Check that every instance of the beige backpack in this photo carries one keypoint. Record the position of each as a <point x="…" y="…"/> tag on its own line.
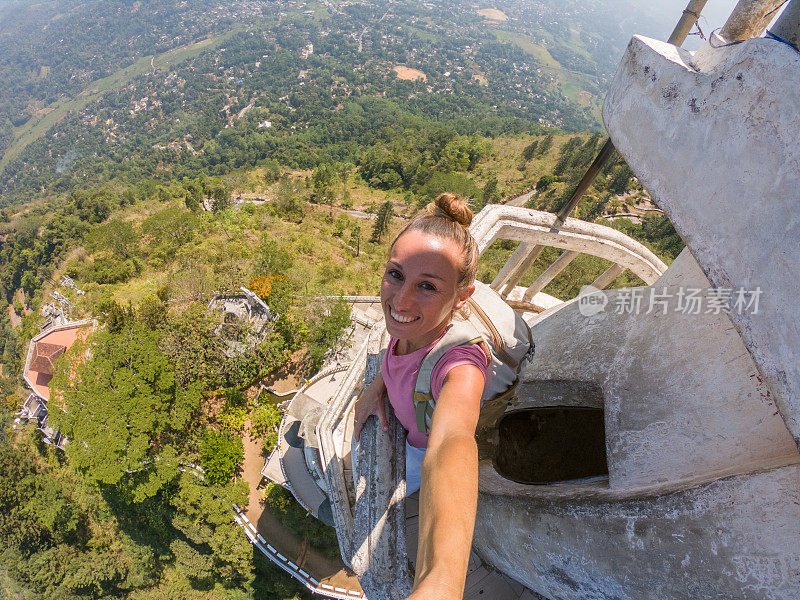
<point x="502" y="333"/>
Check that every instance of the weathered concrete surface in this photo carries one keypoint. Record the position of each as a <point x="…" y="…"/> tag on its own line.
<point x="715" y="143"/>
<point x="734" y="538"/>
<point x="683" y="403"/>
<point x="366" y="491"/>
<point x="703" y="488"/>
<point x="379" y="542"/>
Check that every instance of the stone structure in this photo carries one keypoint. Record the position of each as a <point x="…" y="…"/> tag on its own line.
<point x="44" y="350"/>
<point x="46" y="347"/>
<point x="295" y="461"/>
<point x="681" y="398"/>
<point x="244" y="318"/>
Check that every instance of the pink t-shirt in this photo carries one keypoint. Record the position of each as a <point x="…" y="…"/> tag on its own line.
<point x="400" y="375"/>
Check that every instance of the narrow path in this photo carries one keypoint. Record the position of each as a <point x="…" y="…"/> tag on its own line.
<point x="15" y="319"/>
<point x="520" y="200"/>
<point x="21" y="297"/>
<point x="327" y="570"/>
<point x="252" y="470"/>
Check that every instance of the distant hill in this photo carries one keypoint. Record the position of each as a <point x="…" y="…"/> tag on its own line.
<point x="99" y="90"/>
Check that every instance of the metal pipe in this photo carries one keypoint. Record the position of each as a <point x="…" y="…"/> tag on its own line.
<point x="689" y="17"/>
<point x="749" y="19"/>
<point x="787" y="27"/>
<point x="591" y="173"/>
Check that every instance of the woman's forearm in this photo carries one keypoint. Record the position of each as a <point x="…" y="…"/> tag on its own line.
<point x="370" y="403"/>
<point x="448" y="502"/>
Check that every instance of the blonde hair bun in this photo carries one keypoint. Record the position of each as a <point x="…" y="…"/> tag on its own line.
<point x="454" y="207"/>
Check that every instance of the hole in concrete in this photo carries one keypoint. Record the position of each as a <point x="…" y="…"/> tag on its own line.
<point x="552" y="444"/>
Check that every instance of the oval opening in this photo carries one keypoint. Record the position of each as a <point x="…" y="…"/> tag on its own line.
<point x="552" y="444"/>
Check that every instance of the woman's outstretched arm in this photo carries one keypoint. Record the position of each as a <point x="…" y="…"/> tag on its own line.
<point x="449" y="492"/>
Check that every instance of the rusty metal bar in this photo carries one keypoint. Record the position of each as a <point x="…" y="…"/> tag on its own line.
<point x="749" y="19"/>
<point x="591" y="173"/>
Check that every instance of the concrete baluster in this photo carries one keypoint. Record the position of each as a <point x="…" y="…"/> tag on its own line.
<point x="550" y="273"/>
<point x="608" y="276"/>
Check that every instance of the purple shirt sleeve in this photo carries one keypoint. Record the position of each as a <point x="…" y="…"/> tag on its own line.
<point x="455" y="357"/>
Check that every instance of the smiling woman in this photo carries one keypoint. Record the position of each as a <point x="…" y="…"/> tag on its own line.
<point x="430" y="275"/>
<point x="419" y="291"/>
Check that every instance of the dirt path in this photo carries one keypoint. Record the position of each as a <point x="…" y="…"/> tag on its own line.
<point x="21" y="297"/>
<point x="285" y="379"/>
<point x="15" y="319"/>
<point x="251" y="468"/>
<point x="322" y="568"/>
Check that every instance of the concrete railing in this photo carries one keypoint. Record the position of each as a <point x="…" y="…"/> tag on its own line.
<point x="536" y="229"/>
<point x="289" y="566"/>
<point x="282" y="430"/>
<point x="366" y="501"/>
<point x="330" y="455"/>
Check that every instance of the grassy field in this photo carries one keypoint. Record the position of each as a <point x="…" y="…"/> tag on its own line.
<point x="422" y="34"/>
<point x="222" y="254"/>
<point x="573" y="84"/>
<point x="506" y="156"/>
<point x="320" y="11"/>
<point x="572" y="88"/>
<point x="525" y="43"/>
<point x="37" y="128"/>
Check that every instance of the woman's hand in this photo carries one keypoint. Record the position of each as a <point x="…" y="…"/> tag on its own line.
<point x="371" y="402"/>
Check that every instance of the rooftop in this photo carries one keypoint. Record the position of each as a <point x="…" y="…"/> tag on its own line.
<point x="46" y="347"/>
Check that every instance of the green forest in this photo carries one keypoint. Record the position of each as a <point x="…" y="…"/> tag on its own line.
<point x="179" y="149"/>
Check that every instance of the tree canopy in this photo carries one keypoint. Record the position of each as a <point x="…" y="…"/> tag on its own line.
<point x="119" y="396"/>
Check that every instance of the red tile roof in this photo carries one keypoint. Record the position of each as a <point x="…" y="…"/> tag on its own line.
<point x="44" y="355"/>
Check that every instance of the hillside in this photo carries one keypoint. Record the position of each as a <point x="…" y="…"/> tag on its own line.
<point x="155" y="154"/>
<point x="165" y="90"/>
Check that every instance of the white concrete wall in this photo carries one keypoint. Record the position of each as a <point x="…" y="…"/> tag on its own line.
<point x="715" y="142"/>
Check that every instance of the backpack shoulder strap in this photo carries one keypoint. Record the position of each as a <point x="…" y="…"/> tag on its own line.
<point x="460" y="333"/>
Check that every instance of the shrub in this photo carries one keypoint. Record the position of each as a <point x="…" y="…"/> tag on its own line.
<point x="265" y="420"/>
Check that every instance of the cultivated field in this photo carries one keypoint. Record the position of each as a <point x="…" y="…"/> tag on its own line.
<point x="409" y="74"/>
<point x="493" y="14"/>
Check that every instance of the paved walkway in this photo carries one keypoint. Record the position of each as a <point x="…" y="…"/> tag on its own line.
<point x="327" y="571"/>
<point x="520" y="200"/>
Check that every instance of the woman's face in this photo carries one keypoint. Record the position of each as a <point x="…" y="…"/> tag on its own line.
<point x="418" y="291"/>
